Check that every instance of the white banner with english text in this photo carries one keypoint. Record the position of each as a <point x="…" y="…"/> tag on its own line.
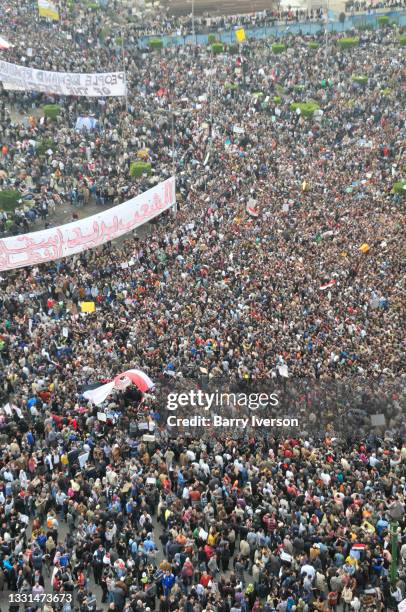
<point x="47" y="245"/>
<point x="98" y="85"/>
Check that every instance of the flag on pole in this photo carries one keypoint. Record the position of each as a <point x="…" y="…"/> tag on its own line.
<point x="240" y="35"/>
<point x="46" y="8"/>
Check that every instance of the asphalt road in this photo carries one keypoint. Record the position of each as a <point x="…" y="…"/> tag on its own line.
<point x="63" y="214"/>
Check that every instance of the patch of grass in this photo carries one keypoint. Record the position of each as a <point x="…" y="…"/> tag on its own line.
<point x="155" y="44"/>
<point x="278" y="48"/>
<point x="348" y="43"/>
<point x="306" y="108"/>
<point x="230" y="86"/>
<point x="360" y="79"/>
<point x="400" y="188"/>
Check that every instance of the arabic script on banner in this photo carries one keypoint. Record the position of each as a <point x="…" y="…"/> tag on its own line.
<point x="47" y="245"/>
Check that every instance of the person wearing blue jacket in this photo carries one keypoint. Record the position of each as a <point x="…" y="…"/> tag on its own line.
<point x="167" y="582"/>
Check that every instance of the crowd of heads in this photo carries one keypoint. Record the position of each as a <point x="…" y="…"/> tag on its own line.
<point x="259" y="280"/>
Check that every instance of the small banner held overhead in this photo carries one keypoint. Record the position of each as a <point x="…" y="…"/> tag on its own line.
<point x="46" y="8"/>
<point x="240" y="35"/>
<point x="87" y="306"/>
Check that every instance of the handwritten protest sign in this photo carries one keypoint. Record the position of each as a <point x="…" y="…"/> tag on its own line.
<point x="71" y="238"/>
<point x="98" y="85"/>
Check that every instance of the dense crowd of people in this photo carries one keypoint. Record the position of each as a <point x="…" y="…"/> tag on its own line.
<point x="260" y="272"/>
<point x="362" y="5"/>
<point x="33" y="150"/>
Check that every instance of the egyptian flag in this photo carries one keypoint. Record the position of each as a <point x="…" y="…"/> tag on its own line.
<point x="328" y="285"/>
<point x="120" y="383"/>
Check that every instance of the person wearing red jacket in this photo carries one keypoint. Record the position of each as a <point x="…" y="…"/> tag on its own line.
<point x="205" y="579"/>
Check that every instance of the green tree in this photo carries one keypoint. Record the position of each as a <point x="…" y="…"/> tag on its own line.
<point x="9" y="199"/>
<point x="45" y="144"/>
<point x="138" y="168"/>
<point x="217" y="48"/>
<point x="51" y="111"/>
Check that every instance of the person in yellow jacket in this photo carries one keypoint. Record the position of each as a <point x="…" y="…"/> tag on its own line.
<point x="212" y="538"/>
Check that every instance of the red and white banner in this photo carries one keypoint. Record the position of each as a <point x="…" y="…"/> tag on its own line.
<point x="138" y="378"/>
<point x="133" y="377"/>
<point x="72" y="238"/>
